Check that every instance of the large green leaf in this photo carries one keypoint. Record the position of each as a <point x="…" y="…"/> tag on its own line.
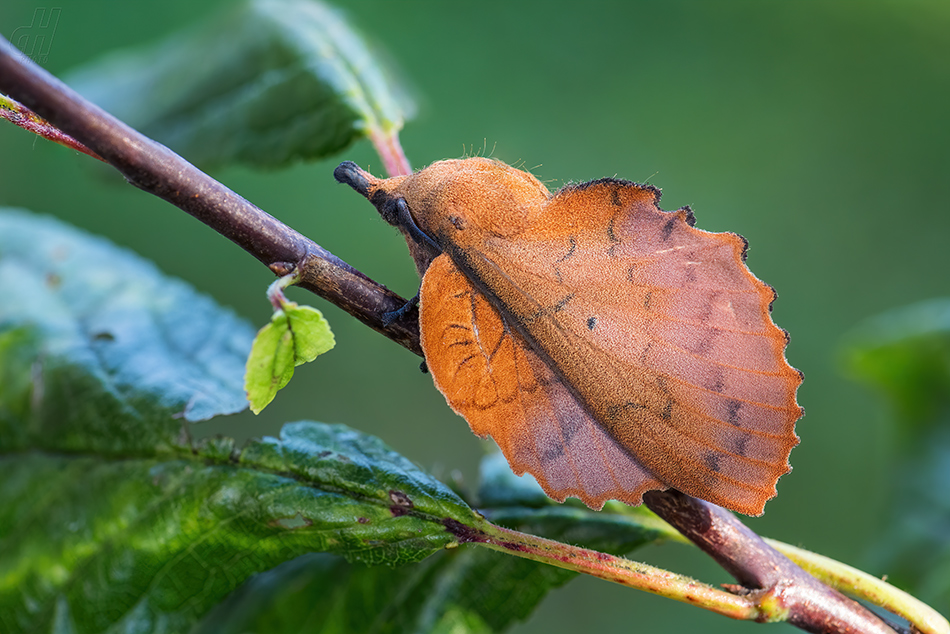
<point x="110" y="520"/>
<point x="148" y="544"/>
<point x="464" y="589"/>
<point x="267" y="83"/>
<point x="99" y="351"/>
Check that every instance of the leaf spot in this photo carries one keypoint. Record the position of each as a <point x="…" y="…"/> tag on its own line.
<point x="465" y="534"/>
<point x="297" y="521"/>
<point x="401" y="504"/>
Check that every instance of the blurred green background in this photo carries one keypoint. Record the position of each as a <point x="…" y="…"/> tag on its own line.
<point x="818" y="130"/>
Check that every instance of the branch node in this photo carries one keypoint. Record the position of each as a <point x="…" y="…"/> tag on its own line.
<point x="281" y="269"/>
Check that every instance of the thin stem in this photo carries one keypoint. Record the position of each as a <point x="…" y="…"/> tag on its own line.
<point x="863" y="586"/>
<point x="610" y="568"/>
<point x="154" y="168"/>
<point x="390" y="151"/>
<point x="275" y="292"/>
<point x="21" y="116"/>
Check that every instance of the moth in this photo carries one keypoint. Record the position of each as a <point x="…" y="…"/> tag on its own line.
<point x="608" y="347"/>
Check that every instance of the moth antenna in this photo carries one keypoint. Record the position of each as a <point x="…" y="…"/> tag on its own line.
<point x="406" y="221"/>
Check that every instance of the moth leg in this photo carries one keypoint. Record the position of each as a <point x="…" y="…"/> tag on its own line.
<point x="392" y="315"/>
<point x="404" y="220"/>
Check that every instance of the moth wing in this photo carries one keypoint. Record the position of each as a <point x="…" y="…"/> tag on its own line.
<point x="663" y="333"/>
<point x="491" y="377"/>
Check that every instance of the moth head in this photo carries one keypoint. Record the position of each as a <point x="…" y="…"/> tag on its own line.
<point x="465" y="201"/>
<point x="376" y="190"/>
<point x="456" y="201"/>
<point x="393" y="208"/>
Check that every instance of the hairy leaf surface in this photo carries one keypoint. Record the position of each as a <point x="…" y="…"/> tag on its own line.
<point x="100" y="351"/>
<point x="146" y="543"/>
<point x="463" y="589"/>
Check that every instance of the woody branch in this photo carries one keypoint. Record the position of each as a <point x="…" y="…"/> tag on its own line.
<point x="157" y="170"/>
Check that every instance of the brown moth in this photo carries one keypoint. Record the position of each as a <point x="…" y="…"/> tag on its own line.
<point x="607" y="346"/>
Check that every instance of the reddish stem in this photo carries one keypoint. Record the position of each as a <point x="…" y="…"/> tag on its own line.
<point x="390" y="151"/>
<point x="607" y="567"/>
<point x="19" y="115"/>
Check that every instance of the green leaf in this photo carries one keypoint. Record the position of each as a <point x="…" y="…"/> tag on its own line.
<point x="312" y="335"/>
<point x="99" y="350"/>
<point x="278" y="81"/>
<point x="149" y="544"/>
<point x="466" y="589"/>
<point x="295" y="335"/>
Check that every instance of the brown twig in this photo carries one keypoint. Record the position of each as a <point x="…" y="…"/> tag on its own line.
<point x="155" y="169"/>
<point x="759" y="568"/>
